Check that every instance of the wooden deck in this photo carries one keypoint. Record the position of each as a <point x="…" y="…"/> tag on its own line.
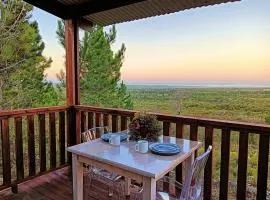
<point x="56" y="185"/>
<point x="52" y="186"/>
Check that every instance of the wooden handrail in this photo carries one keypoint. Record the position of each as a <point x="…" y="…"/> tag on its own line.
<point x="30" y="111"/>
<point x="215" y="123"/>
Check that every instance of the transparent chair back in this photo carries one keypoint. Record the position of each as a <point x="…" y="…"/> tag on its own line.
<point x="193" y="184"/>
<point x="94" y="133"/>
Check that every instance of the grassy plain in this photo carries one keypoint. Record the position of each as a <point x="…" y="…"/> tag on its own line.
<point x="220" y="103"/>
<point x="251" y="105"/>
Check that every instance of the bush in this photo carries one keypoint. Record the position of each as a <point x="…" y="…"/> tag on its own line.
<point x="267" y="119"/>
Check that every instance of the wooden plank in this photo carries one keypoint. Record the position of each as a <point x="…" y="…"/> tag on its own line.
<point x="166" y="128"/>
<point x="42" y="142"/>
<point x="71" y="130"/>
<point x="62" y="137"/>
<point x="242" y="165"/>
<point x="194" y="132"/>
<point x="19" y="148"/>
<point x="263" y="167"/>
<point x="114" y="123"/>
<point x="31" y="145"/>
<point x="224" y="164"/>
<point x="90" y="120"/>
<point x="78" y="126"/>
<point x="123" y="123"/>
<point x="98" y="119"/>
<point x="98" y="124"/>
<point x="166" y="132"/>
<point x="106" y="121"/>
<point x="83" y="121"/>
<point x="209" y="165"/>
<point x="72" y="62"/>
<point x="52" y="140"/>
<point x="31" y="111"/>
<point x="215" y="123"/>
<point x="5" y="152"/>
<point x="179" y="168"/>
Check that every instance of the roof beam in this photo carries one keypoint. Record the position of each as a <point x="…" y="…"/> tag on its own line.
<point x="52" y="6"/>
<point x="96" y="6"/>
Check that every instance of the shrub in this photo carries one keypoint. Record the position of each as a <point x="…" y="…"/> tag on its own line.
<point x="267" y="119"/>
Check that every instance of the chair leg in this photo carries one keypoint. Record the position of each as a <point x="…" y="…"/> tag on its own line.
<point x="110" y="191"/>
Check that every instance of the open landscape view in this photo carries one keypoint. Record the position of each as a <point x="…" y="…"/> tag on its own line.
<point x="199" y="69"/>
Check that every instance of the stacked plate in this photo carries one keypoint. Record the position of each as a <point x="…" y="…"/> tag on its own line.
<point x="106" y="137"/>
<point x="165" y="149"/>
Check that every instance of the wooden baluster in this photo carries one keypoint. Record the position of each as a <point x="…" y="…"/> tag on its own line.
<point x="242" y="165"/>
<point x="5" y="152"/>
<point x="62" y="137"/>
<point x="179" y="134"/>
<point x="166" y="128"/>
<point x="224" y="164"/>
<point x="114" y="123"/>
<point x="98" y="124"/>
<point x="52" y="140"/>
<point x="166" y="132"/>
<point x="209" y="165"/>
<point x="78" y="127"/>
<point x="19" y="148"/>
<point x="194" y="132"/>
<point x="31" y="145"/>
<point x="83" y="121"/>
<point x="90" y="120"/>
<point x="106" y="120"/>
<point x="42" y="142"/>
<point x="123" y="123"/>
<point x="263" y="166"/>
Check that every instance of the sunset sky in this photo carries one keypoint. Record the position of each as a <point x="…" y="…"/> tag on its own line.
<point x="228" y="43"/>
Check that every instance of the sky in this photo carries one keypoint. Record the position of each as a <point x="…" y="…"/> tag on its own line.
<point x="221" y="44"/>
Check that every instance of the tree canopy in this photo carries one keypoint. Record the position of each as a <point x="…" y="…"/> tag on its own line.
<point x="100" y="66"/>
<point x="22" y="65"/>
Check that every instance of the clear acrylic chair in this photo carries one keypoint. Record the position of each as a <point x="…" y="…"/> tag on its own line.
<point x="93" y="173"/>
<point x="190" y="190"/>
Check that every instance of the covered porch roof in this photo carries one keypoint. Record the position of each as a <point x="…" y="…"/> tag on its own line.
<point x="102" y="12"/>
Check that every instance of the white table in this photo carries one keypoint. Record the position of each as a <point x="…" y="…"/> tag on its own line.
<point x="125" y="161"/>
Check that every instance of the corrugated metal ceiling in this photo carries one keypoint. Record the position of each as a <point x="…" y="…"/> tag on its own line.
<point x="142" y="9"/>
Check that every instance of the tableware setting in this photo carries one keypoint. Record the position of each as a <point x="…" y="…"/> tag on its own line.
<point x="142" y="146"/>
<point x="115" y="140"/>
<point x="106" y="137"/>
<point x="165" y="149"/>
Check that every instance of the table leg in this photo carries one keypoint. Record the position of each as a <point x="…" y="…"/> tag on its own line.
<point x="77" y="172"/>
<point x="149" y="189"/>
<point x="127" y="186"/>
<point x="187" y="166"/>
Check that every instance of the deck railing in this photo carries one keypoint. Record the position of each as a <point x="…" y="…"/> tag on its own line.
<point x="33" y="142"/>
<point x="178" y="125"/>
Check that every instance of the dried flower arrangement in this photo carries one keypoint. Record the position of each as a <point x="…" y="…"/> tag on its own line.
<point x="144" y="126"/>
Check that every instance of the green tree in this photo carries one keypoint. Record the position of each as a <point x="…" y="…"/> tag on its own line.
<point x="22" y="65"/>
<point x="100" y="66"/>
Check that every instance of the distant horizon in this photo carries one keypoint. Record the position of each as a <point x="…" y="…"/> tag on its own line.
<point x="199" y="84"/>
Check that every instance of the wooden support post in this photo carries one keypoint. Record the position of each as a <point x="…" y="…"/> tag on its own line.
<point x="72" y="76"/>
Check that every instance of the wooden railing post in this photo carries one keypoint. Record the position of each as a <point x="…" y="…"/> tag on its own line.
<point x="209" y="165"/>
<point x="5" y="151"/>
<point x="72" y="78"/>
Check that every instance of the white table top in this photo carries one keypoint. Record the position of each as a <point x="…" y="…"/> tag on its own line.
<point x="125" y="156"/>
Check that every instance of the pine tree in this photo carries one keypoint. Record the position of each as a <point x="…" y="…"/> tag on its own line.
<point x="100" y="68"/>
<point x="22" y="65"/>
